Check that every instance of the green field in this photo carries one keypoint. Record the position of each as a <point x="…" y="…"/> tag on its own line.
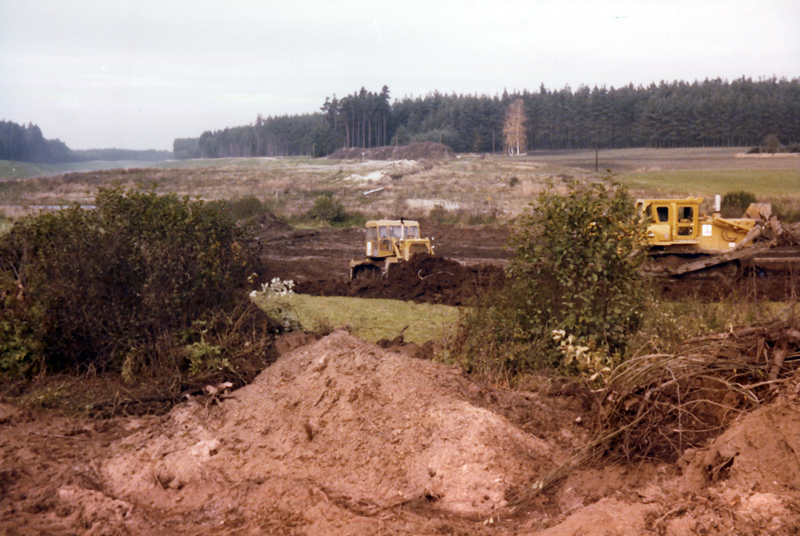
<point x="369" y="319"/>
<point x="768" y="184"/>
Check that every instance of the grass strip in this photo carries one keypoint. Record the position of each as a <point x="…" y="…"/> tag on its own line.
<point x="370" y="319"/>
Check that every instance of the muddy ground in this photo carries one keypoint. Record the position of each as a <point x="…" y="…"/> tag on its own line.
<point x="342" y="437"/>
<point x="469" y="258"/>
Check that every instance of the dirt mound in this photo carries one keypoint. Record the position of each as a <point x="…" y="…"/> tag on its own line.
<point x="753" y="452"/>
<point x="745" y="482"/>
<point x="426" y="150"/>
<point x="424" y="279"/>
<point x="342" y="438"/>
<point x="363" y="428"/>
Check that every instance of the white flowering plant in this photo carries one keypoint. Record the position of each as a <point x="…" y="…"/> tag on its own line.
<point x="588" y="359"/>
<point x="276" y="288"/>
<point x="272" y="298"/>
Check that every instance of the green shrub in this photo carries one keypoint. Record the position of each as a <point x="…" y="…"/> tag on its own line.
<point x="771" y="144"/>
<point x="574" y="294"/>
<point x="5" y="223"/>
<point x="734" y="204"/>
<point x="327" y="209"/>
<point x="102" y="289"/>
<point x="439" y="214"/>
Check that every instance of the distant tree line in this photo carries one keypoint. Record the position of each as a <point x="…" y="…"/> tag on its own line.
<point x="27" y="144"/>
<point x="186" y="148"/>
<point x="713" y="113"/>
<point x="274" y="136"/>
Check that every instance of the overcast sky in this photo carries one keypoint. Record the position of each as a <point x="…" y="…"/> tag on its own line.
<point x="136" y="74"/>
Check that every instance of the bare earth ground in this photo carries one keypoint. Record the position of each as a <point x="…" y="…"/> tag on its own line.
<point x="341" y="437"/>
<point x="467" y="257"/>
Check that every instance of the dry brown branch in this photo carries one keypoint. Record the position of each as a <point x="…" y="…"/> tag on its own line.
<point x="656" y="406"/>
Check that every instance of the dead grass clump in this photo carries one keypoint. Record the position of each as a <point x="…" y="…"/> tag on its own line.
<point x="656" y="406"/>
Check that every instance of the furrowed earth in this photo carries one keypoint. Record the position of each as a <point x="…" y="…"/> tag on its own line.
<point x="340" y="437"/>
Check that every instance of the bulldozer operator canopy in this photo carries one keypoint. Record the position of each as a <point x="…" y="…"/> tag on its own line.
<point x="399" y="229"/>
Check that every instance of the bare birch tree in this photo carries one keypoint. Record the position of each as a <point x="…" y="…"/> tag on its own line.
<point x="514" y="128"/>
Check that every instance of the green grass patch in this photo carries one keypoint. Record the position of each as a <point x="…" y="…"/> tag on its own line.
<point x="370" y="319"/>
<point x="763" y="183"/>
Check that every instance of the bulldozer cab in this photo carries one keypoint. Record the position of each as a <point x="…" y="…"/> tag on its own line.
<point x="394" y="238"/>
<point x="677" y="224"/>
<point x="671" y="220"/>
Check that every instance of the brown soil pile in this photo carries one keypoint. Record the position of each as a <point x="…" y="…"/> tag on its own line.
<point x="748" y="478"/>
<point x="339" y="424"/>
<point x="426" y="150"/>
<point x="760" y="452"/>
<point x="424" y="279"/>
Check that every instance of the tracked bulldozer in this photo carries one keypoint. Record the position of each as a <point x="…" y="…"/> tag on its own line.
<point x="388" y="242"/>
<point x="684" y="243"/>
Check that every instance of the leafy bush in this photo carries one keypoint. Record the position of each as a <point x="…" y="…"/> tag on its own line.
<point x="327" y="209"/>
<point x="439" y="214"/>
<point x="771" y="144"/>
<point x="103" y="289"/>
<point x="272" y="300"/>
<point x="734" y="204"/>
<point x="574" y="294"/>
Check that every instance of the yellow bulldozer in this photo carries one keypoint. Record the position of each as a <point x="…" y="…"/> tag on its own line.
<point x="389" y="242"/>
<point x="684" y="242"/>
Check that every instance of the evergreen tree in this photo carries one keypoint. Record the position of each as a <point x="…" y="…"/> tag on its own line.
<point x="713" y="113"/>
